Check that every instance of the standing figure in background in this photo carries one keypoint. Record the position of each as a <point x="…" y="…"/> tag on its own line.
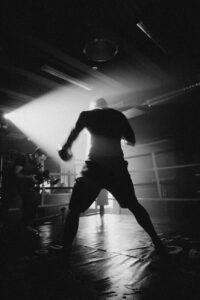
<point x="104" y="168"/>
<point x="28" y="169"/>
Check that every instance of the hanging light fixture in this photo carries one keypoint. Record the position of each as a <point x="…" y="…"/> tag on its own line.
<point x="100" y="49"/>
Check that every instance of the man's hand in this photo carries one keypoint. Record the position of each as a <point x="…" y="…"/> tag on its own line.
<point x="65" y="154"/>
<point x="32" y="177"/>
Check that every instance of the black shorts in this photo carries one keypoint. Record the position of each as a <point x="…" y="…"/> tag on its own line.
<point x="112" y="176"/>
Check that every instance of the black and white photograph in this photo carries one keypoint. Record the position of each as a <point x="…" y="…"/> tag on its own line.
<point x="99" y="150"/>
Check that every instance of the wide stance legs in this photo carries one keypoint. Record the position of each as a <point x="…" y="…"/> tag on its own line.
<point x="141" y="215"/>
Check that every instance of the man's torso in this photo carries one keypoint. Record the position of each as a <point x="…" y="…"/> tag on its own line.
<point x="105" y="133"/>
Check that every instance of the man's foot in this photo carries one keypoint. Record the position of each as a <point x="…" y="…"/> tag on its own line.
<point x="161" y="250"/>
<point x="31" y="230"/>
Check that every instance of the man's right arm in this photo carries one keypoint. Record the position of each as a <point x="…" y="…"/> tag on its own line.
<point x="65" y="152"/>
<point x="20" y="175"/>
<point x="18" y="170"/>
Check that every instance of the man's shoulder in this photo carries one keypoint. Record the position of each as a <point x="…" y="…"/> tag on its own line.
<point x="108" y="110"/>
<point x="84" y="113"/>
<point x="21" y="159"/>
<point x="99" y="112"/>
<point x="115" y="112"/>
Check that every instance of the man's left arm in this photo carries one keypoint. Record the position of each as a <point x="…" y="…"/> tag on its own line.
<point x="128" y="133"/>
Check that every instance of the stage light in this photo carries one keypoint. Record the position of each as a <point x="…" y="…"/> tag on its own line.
<point x="6" y="116"/>
<point x="3" y="123"/>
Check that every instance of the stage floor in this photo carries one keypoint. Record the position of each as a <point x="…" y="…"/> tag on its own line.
<point x="113" y="258"/>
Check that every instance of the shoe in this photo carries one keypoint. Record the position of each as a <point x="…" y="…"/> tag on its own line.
<point x="161" y="250"/>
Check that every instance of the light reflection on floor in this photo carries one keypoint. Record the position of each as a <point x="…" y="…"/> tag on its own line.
<point x="112" y="257"/>
<point x="45" y="234"/>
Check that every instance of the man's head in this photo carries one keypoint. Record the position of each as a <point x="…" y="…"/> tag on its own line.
<point x="98" y="103"/>
<point x="39" y="155"/>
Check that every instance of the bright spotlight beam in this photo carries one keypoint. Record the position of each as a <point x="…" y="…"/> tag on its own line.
<point x="48" y="120"/>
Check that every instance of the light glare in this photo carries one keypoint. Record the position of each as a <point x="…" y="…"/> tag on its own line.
<point x="7" y="116"/>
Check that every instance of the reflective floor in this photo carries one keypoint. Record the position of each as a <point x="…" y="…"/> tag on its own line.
<point x="113" y="258"/>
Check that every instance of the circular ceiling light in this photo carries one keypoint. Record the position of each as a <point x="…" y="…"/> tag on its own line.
<point x="100" y="50"/>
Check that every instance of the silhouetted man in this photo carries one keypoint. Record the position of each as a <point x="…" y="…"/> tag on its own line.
<point x="104" y="167"/>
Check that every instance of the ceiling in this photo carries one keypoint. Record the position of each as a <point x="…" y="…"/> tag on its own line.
<point x="157" y="54"/>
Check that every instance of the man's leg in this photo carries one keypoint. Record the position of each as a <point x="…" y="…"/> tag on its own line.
<point x="30" y="203"/>
<point x="6" y="198"/>
<point x="84" y="193"/>
<point x="70" y="231"/>
<point x="123" y="190"/>
<point x="144" y="221"/>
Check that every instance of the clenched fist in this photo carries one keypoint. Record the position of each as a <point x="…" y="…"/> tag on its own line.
<point x="65" y="154"/>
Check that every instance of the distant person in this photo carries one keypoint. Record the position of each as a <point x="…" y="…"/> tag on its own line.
<point x="28" y="171"/>
<point x="104" y="168"/>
